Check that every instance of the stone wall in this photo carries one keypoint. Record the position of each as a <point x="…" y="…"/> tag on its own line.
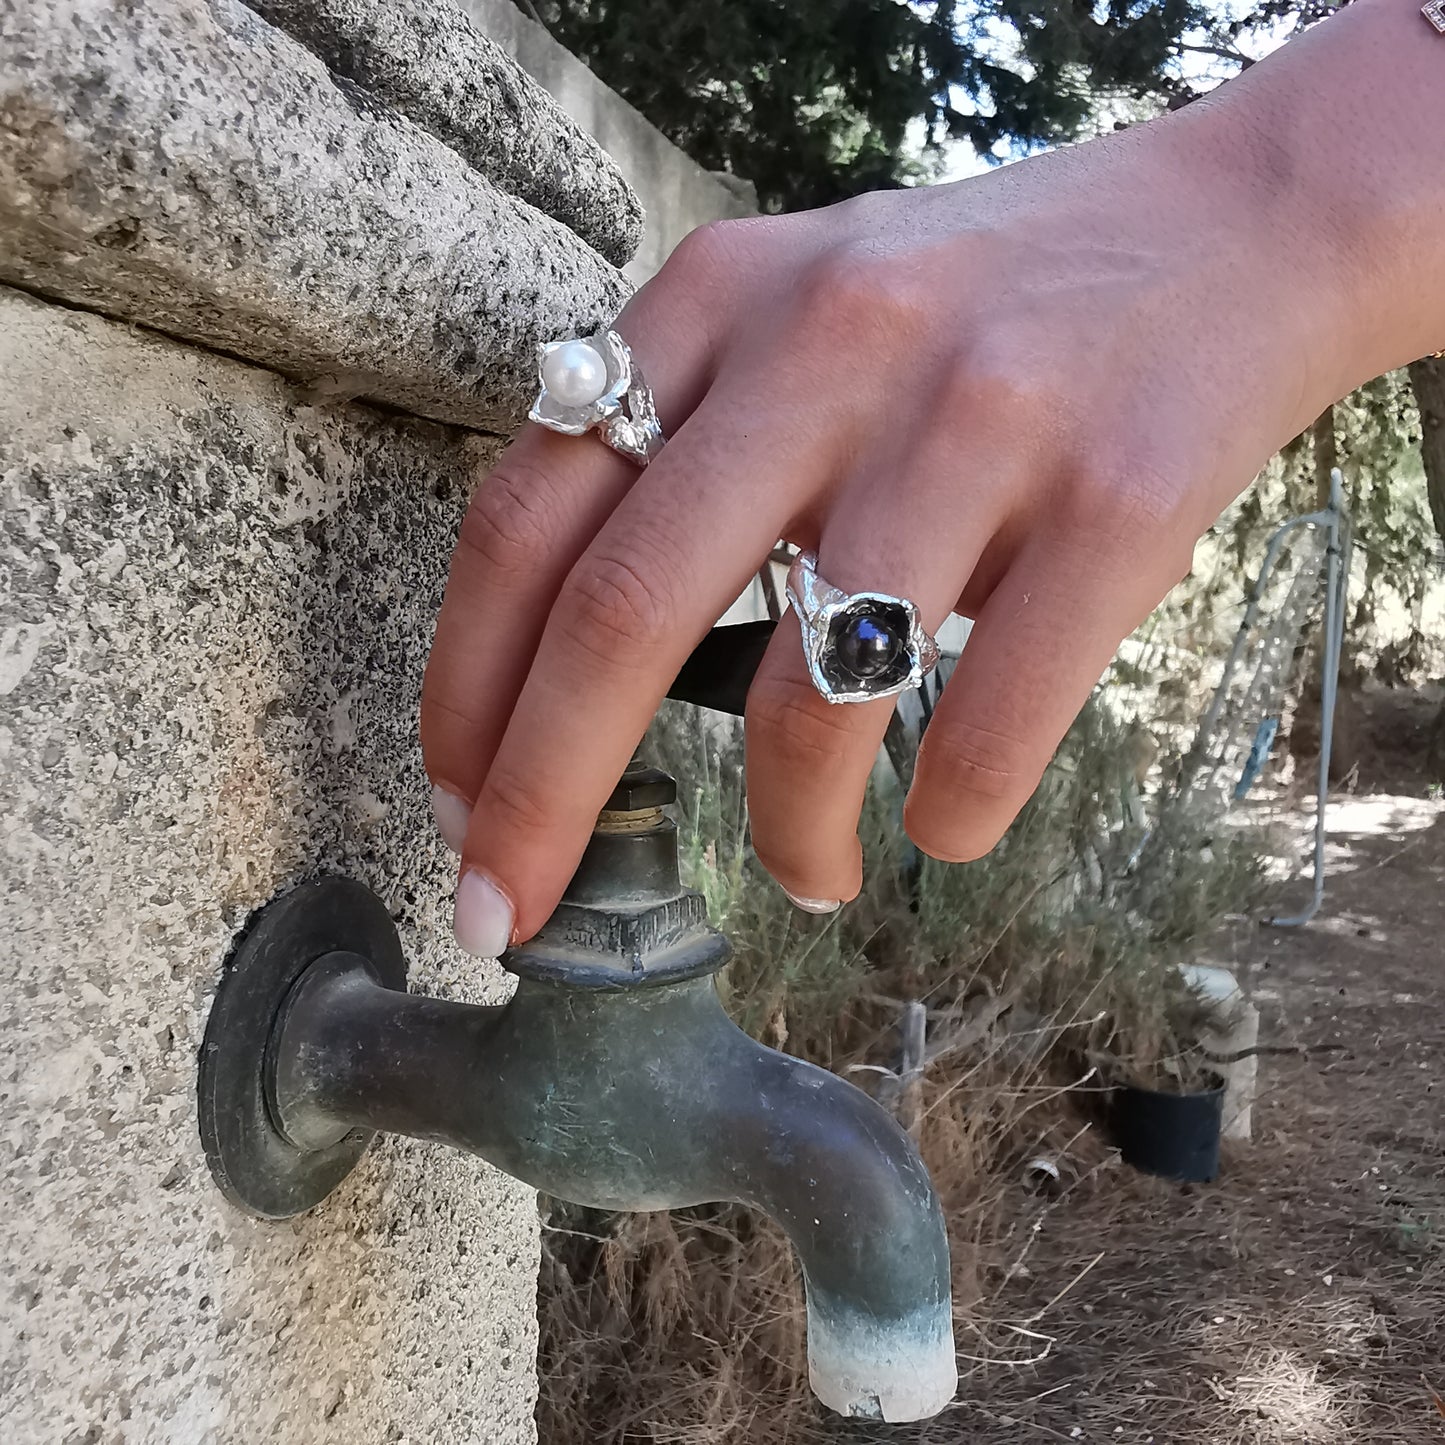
<point x="222" y="241"/>
<point x="217" y="603"/>
<point x="677" y="194"/>
<point x="197" y="170"/>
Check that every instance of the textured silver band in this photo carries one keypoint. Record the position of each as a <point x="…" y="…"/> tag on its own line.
<point x="1434" y="12"/>
<point x="623" y="413"/>
<point x="824" y="609"/>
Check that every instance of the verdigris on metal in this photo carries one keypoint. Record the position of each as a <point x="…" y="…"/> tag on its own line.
<point x="617" y="1087"/>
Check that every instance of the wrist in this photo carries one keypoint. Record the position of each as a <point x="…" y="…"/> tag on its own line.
<point x="1337" y="137"/>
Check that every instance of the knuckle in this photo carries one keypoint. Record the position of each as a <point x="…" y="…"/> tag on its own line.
<point x="992" y="383"/>
<point x="1123" y="480"/>
<point x="508" y="525"/>
<point x="1125" y="501"/>
<point x="799" y="727"/>
<point x="971" y="759"/>
<point x="852" y="288"/>
<point x="710" y="251"/>
<point x="513" y="805"/>
<point x="613" y="611"/>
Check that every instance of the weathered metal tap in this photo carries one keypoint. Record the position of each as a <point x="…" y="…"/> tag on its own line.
<point x="613" y="1078"/>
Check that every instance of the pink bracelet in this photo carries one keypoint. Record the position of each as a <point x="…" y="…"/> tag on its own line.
<point x="1434" y="12"/>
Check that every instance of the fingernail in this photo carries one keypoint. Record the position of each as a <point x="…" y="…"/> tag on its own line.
<point x="813" y="905"/>
<point x="454" y="816"/>
<point x="483" y="917"/>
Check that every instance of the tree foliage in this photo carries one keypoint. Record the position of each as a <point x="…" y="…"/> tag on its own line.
<point x="815" y="100"/>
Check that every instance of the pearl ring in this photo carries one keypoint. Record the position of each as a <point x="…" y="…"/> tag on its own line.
<point x="858" y="645"/>
<point x="591" y="383"/>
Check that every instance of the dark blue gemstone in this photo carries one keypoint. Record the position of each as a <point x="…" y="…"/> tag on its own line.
<point x="867" y="647"/>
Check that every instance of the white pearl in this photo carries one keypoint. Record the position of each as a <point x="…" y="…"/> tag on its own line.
<point x="574" y="373"/>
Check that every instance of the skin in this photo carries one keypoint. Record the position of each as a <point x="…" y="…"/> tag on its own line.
<point x="1023" y="398"/>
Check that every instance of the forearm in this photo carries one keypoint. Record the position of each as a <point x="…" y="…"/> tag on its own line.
<point x="1343" y="132"/>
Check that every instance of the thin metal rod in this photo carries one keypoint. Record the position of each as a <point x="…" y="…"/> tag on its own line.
<point x="770" y="591"/>
<point x="1336" y="581"/>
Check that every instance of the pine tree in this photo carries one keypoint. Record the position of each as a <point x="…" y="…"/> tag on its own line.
<point x="815" y="100"/>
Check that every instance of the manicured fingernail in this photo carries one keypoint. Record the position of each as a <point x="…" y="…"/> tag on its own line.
<point x="483" y="917"/>
<point x="453" y="814"/>
<point x="813" y="905"/>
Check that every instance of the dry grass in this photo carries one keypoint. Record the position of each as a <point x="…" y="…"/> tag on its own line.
<point x="1045" y="972"/>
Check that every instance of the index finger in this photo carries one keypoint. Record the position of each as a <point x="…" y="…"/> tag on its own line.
<point x="673" y="557"/>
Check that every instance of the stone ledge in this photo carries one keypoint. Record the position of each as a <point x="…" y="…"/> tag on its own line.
<point x="196" y="170"/>
<point x="430" y="63"/>
<point x="677" y="193"/>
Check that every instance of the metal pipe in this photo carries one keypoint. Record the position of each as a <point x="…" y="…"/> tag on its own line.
<point x="646" y="1099"/>
<point x="1336" y="580"/>
<point x="614" y="1078"/>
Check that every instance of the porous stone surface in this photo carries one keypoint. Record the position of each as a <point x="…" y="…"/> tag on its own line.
<point x="215" y="604"/>
<point x="677" y="194"/>
<point x="430" y="62"/>
<point x="192" y="168"/>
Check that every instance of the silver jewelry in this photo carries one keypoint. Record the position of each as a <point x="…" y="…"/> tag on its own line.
<point x="859" y="645"/>
<point x="591" y="383"/>
<point x="1434" y="12"/>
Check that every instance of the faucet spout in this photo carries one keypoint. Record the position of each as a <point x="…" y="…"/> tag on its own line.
<point x="648" y="1100"/>
<point x="613" y="1078"/>
<point x="845" y="1183"/>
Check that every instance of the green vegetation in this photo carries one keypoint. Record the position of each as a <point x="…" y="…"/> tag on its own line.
<point x="1047" y="969"/>
<point x="1047" y="974"/>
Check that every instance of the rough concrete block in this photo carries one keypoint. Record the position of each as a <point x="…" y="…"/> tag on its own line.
<point x="194" y="169"/>
<point x="432" y="64"/>
<point x="215" y="606"/>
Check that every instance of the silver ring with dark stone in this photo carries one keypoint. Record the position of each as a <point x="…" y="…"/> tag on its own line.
<point x="858" y="645"/>
<point x="591" y="383"/>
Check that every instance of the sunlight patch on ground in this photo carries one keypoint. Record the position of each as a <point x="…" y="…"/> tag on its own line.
<point x="1381" y="814"/>
<point x="1289" y="1399"/>
<point x="1348" y="821"/>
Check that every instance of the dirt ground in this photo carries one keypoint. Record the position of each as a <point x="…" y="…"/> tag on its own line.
<point x="1298" y="1298"/>
<point x="1301" y="1297"/>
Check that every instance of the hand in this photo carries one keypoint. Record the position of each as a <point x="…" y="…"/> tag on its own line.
<point x="1023" y="397"/>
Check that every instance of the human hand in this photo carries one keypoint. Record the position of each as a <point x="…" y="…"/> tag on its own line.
<point x="1023" y="397"/>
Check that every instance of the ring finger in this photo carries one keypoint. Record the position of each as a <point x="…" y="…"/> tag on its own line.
<point x="809" y="760"/>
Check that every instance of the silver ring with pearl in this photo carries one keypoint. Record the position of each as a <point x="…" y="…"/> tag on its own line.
<point x="859" y="645"/>
<point x="591" y="383"/>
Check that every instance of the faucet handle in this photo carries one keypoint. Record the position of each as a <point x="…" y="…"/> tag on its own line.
<point x="721" y="668"/>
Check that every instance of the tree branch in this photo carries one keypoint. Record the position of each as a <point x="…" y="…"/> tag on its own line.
<point x="1220" y="52"/>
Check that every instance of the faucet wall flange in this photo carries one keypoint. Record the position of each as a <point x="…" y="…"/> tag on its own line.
<point x="253" y="1161"/>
